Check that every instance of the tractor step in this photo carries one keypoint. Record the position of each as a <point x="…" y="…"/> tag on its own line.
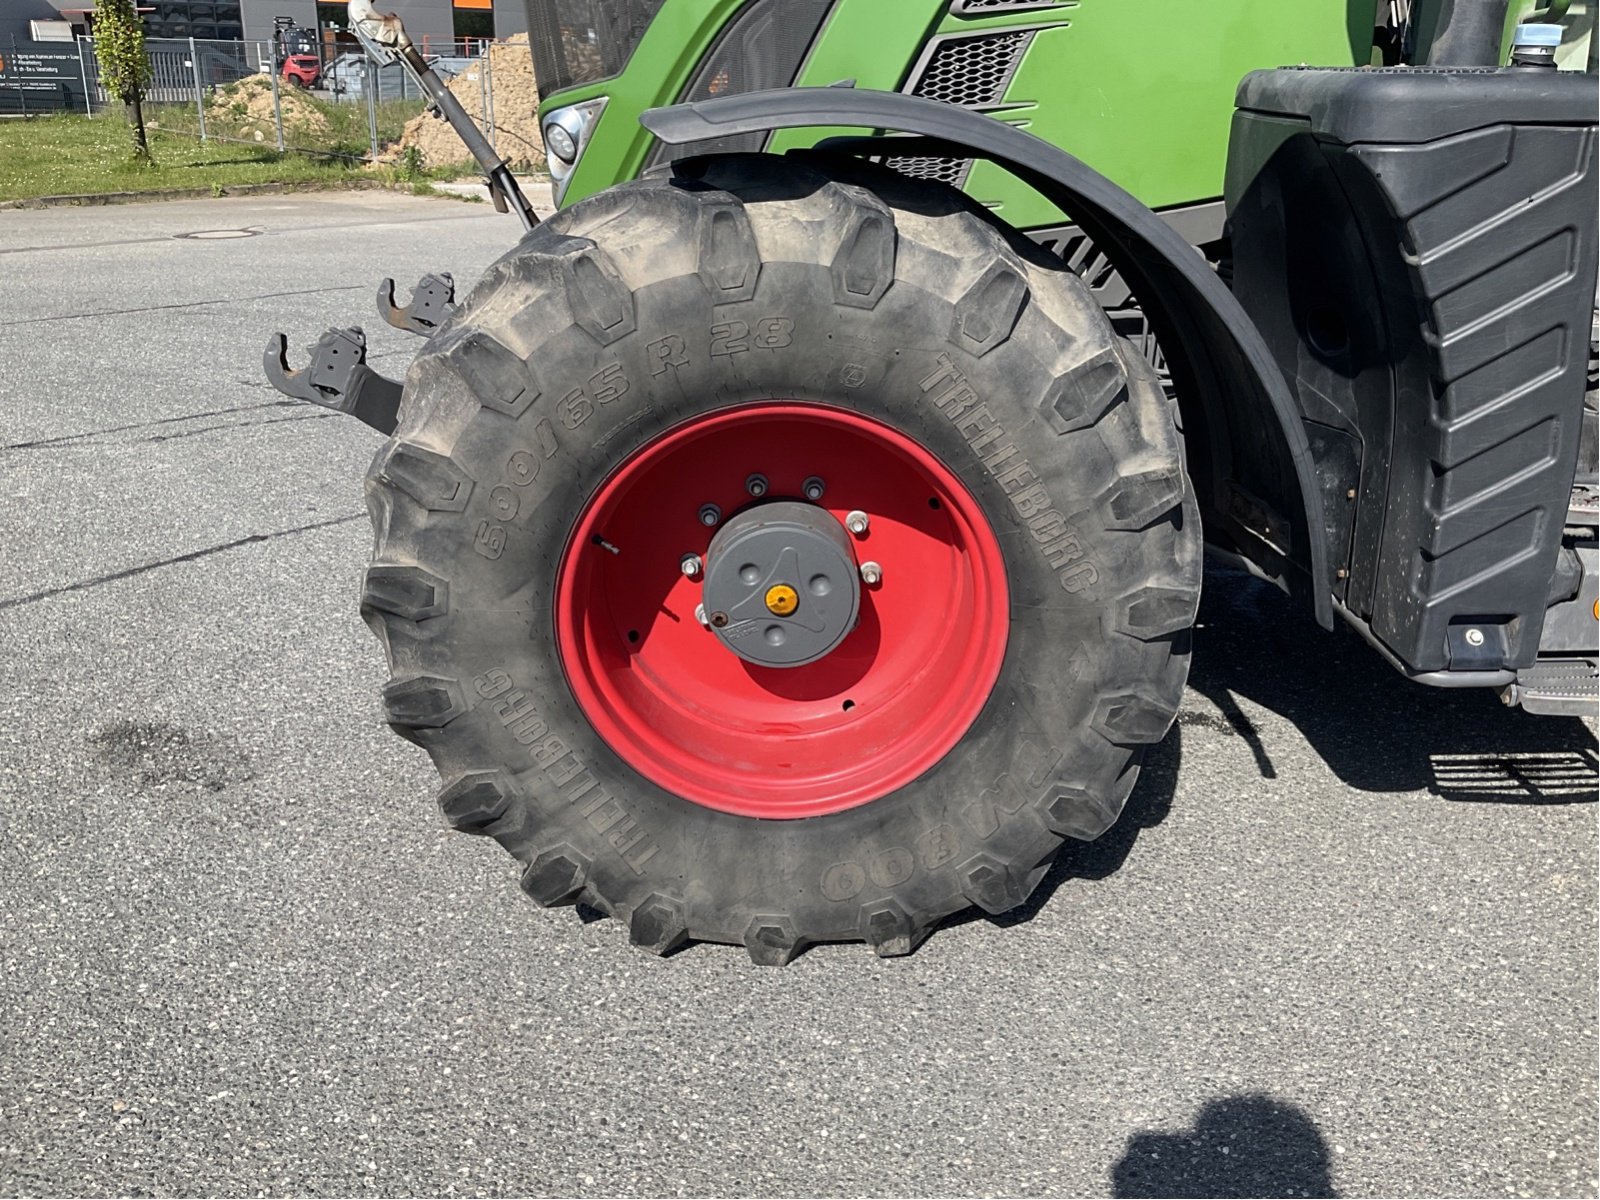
<point x="1556" y="687"/>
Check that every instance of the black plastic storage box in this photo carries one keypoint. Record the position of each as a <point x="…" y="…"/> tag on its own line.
<point x="1418" y="247"/>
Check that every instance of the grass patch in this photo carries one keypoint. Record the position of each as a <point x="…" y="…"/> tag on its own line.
<point x="69" y="155"/>
<point x="349" y="121"/>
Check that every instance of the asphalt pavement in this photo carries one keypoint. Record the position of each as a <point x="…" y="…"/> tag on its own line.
<point x="1343" y="942"/>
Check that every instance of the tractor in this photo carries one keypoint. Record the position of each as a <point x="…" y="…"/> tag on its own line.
<point x="797" y="538"/>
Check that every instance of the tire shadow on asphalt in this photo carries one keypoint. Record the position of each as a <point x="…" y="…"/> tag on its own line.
<point x="1246" y="1145"/>
<point x="1376" y="730"/>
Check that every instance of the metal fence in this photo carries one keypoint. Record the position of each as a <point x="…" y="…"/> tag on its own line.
<point x="228" y="91"/>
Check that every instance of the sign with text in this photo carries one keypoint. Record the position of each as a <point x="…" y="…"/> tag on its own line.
<point x="39" y="77"/>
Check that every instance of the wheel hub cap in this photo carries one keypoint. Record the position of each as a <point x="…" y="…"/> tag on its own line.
<point x="781" y="584"/>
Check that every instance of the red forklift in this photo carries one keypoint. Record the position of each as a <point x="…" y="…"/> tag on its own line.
<point x="294" y="52"/>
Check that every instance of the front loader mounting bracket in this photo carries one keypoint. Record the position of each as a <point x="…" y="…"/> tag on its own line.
<point x="337" y="377"/>
<point x="432" y="302"/>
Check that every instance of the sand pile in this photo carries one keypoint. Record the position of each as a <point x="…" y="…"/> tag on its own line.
<point x="243" y="109"/>
<point x="513" y="101"/>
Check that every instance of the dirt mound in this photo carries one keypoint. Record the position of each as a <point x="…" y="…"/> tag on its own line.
<point x="243" y="109"/>
<point x="513" y="104"/>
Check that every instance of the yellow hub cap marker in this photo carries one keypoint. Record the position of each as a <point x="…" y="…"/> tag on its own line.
<point x="782" y="599"/>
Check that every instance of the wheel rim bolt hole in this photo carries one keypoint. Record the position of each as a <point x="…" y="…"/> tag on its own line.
<point x="758" y="485"/>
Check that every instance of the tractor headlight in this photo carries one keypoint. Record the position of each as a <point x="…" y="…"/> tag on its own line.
<point x="566" y="132"/>
<point x="558" y="140"/>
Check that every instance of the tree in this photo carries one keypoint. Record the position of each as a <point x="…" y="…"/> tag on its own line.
<point x="124" y="65"/>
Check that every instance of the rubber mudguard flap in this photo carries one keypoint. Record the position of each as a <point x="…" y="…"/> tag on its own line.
<point x="1418" y="247"/>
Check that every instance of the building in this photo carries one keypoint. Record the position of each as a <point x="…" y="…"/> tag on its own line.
<point x="44" y="68"/>
<point x="40" y="66"/>
<point x="216" y="19"/>
<point x="429" y="21"/>
<point x="26" y="20"/>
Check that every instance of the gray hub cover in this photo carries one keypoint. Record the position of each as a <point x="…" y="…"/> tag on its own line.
<point x="777" y="545"/>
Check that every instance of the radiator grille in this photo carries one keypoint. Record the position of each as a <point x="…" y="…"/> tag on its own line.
<point x="971" y="70"/>
<point x="943" y="170"/>
<point x="974" y="70"/>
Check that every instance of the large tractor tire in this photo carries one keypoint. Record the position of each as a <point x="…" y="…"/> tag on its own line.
<point x="633" y="612"/>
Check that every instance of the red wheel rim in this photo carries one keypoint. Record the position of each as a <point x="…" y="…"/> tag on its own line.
<point x="694" y="718"/>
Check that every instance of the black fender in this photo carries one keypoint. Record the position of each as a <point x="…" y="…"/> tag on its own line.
<point x="1258" y="490"/>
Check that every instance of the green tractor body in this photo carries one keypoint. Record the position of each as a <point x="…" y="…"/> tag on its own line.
<point x="1142" y="93"/>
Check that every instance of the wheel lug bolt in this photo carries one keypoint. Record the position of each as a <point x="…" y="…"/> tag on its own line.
<point x="700" y="615"/>
<point x="813" y="488"/>
<point x="871" y="574"/>
<point x="756" y="485"/>
<point x="856" y="522"/>
<point x="690" y="565"/>
<point x="710" y="515"/>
